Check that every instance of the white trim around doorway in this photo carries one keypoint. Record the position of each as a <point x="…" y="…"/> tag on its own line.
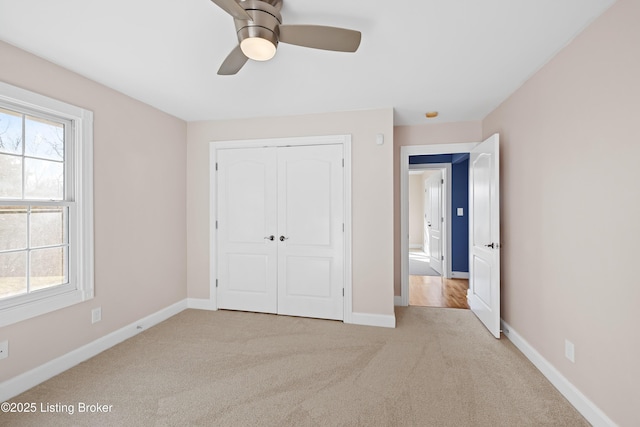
<point x="445" y="168"/>
<point x="405" y="152"/>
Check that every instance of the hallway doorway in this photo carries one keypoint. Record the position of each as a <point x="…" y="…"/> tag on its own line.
<point x="435" y="290"/>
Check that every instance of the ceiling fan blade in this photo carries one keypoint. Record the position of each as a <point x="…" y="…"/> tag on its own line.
<point x="321" y="37"/>
<point x="234" y="61"/>
<point x="234" y="9"/>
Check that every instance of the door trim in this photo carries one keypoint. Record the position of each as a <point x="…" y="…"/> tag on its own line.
<point x="445" y="168"/>
<point x="405" y="152"/>
<point x="345" y="141"/>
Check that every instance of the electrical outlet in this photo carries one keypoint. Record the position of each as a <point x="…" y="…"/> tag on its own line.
<point x="4" y="349"/>
<point x="96" y="315"/>
<point x="569" y="351"/>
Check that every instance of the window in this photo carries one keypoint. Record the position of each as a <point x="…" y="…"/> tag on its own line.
<point x="46" y="215"/>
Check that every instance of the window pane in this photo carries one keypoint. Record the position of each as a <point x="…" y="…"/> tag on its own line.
<point x="13" y="274"/>
<point x="13" y="227"/>
<point x="10" y="177"/>
<point x="43" y="179"/>
<point x="44" y="139"/>
<point x="10" y="132"/>
<point x="48" y="268"/>
<point x="48" y="225"/>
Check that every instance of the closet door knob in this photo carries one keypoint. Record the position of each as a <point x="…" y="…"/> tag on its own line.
<point x="270" y="237"/>
<point x="282" y="238"/>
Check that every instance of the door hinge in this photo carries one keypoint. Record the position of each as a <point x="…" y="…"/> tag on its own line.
<point x="216" y="224"/>
<point x="442" y="181"/>
<point x="442" y="219"/>
<point x="216" y="165"/>
<point x="342" y="291"/>
<point x="442" y="257"/>
<point x="342" y="162"/>
<point x="216" y="283"/>
<point x="343" y="227"/>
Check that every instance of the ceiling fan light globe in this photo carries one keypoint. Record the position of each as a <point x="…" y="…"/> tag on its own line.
<point x="257" y="48"/>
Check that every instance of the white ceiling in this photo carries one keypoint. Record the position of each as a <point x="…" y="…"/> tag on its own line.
<point x="460" y="57"/>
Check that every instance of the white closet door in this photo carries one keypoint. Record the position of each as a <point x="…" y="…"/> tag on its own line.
<point x="247" y="218"/>
<point x="310" y="231"/>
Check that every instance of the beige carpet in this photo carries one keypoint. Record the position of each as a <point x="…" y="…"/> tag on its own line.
<point x="439" y="367"/>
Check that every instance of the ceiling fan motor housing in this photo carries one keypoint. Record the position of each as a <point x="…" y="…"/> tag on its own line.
<point x="259" y="30"/>
<point x="266" y="19"/>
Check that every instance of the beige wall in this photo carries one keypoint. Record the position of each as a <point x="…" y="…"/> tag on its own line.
<point x="427" y="134"/>
<point x="372" y="204"/>
<point x="571" y="210"/>
<point x="140" y="219"/>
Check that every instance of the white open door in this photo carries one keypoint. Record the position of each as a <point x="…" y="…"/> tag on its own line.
<point x="435" y="218"/>
<point x="484" y="233"/>
<point x="247" y="228"/>
<point x="425" y="218"/>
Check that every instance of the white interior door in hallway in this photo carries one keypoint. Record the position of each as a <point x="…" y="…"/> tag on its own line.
<point x="434" y="218"/>
<point x="280" y="213"/>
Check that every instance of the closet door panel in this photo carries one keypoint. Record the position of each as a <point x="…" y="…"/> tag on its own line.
<point x="247" y="217"/>
<point x="310" y="231"/>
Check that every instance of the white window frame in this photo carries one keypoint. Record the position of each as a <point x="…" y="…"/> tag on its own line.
<point x="78" y="198"/>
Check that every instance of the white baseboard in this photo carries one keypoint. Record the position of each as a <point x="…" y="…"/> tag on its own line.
<point x="381" y="320"/>
<point x="32" y="378"/>
<point x="586" y="407"/>
<point x="459" y="275"/>
<point x="201" y="304"/>
<point x="415" y="246"/>
<point x="397" y="300"/>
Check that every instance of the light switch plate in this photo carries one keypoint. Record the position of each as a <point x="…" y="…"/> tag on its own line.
<point x="460" y="211"/>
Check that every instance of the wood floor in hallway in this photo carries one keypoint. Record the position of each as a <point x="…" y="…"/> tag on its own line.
<point x="434" y="291"/>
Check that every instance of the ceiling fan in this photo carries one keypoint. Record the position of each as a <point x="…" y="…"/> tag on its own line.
<point x="259" y="28"/>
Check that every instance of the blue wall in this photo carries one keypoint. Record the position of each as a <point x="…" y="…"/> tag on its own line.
<point x="459" y="199"/>
<point x="460" y="224"/>
<point x="431" y="158"/>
